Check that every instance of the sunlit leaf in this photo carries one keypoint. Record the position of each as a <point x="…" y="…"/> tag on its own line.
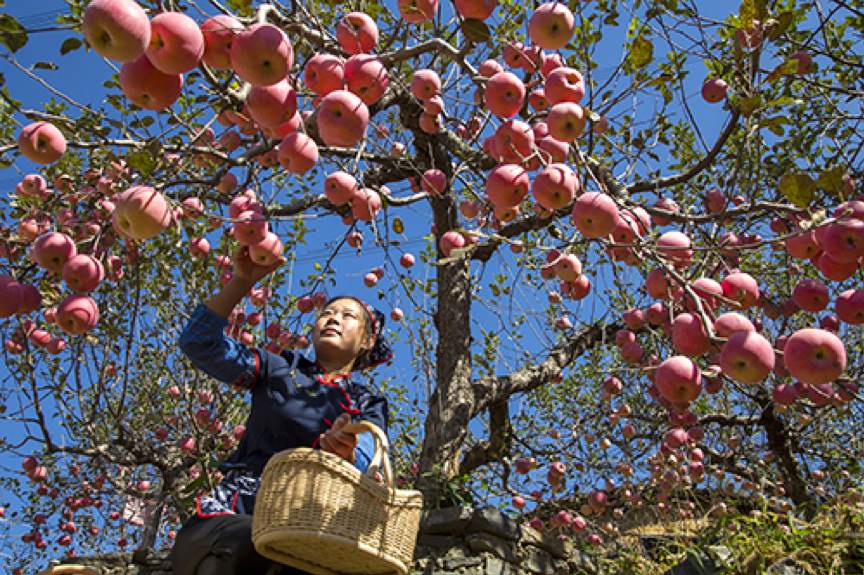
<point x="797" y="188"/>
<point x="12" y="33"/>
<point x="70" y="44"/>
<point x="641" y="52"/>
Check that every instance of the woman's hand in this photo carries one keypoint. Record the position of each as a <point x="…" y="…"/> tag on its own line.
<point x="248" y="270"/>
<point x="339" y="442"/>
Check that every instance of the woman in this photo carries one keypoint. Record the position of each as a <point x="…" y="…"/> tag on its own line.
<point x="295" y="403"/>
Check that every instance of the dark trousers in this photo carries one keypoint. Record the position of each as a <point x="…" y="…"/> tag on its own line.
<point x="221" y="545"/>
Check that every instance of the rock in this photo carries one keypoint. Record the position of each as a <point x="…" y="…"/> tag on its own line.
<point x="438" y="541"/>
<point x="549" y="543"/>
<point x="460" y="562"/>
<point x="786" y="566"/>
<point x="484" y="542"/>
<point x="697" y="563"/>
<point x="491" y="520"/>
<point x="538" y="561"/>
<point x="579" y="562"/>
<point x="448" y="521"/>
<point x="495" y="566"/>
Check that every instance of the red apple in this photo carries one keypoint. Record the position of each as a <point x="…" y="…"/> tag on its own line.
<point x="147" y="87"/>
<point x="564" y="85"/>
<point x="434" y="182"/>
<point x="365" y="204"/>
<point x="267" y="251"/>
<point x="83" y="272"/>
<point x="505" y="94"/>
<point x="811" y="295"/>
<point x="714" y="90"/>
<point x="551" y="25"/>
<point x="566" y="121"/>
<point x="262" y="55"/>
<point x="747" y="357"/>
<point x="844" y="240"/>
<point x="342" y="119"/>
<point x="340" y="187"/>
<point x="357" y="33"/>
<point x="417" y="11"/>
<point x="425" y="84"/>
<point x="366" y="77"/>
<point x="250" y="228"/>
<point x="52" y="250"/>
<point x="324" y="73"/>
<point x="742" y="288"/>
<point x="77" y="314"/>
<point x="556" y="186"/>
<point x="594" y="214"/>
<point x="273" y="105"/>
<point x="814" y="356"/>
<point x="678" y="380"/>
<point x="850" y="306"/>
<point x="176" y="43"/>
<point x="141" y="213"/>
<point x="507" y="185"/>
<point x="298" y="153"/>
<point x="219" y="32"/>
<point x="449" y="241"/>
<point x="116" y="29"/>
<point x="41" y="142"/>
<point x="689" y="336"/>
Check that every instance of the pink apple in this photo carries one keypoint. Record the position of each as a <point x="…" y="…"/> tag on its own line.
<point x="250" y="228"/>
<point x="176" y="43"/>
<point x="267" y="251"/>
<point x="594" y="214"/>
<point x="141" y="213"/>
<point x="41" y="142"/>
<point x="556" y="186"/>
<point x="564" y="85"/>
<point x="406" y="260"/>
<point x="340" y="187"/>
<point x="83" y="272"/>
<point x="11" y="296"/>
<point x="675" y="247"/>
<point x="507" y="185"/>
<point x="475" y="9"/>
<point x="433" y="106"/>
<point x="357" y="33"/>
<point x="537" y="100"/>
<point x="425" y="84"/>
<point x="324" y="73"/>
<point x="836" y="270"/>
<point x="844" y="240"/>
<point x="52" y="250"/>
<point x="715" y="201"/>
<point x="147" y="87"/>
<point x="568" y="267"/>
<point x="551" y="25"/>
<point x="742" y="288"/>
<point x="566" y="121"/>
<point x="77" y="314"/>
<point x="678" y="380"/>
<point x="803" y="245"/>
<point x="116" y="29"/>
<point x="262" y="55"/>
<point x="728" y="323"/>
<point x="513" y="142"/>
<point x="273" y="105"/>
<point x="366" y="77"/>
<point x="814" y="356"/>
<point x="811" y="295"/>
<point x="668" y="205"/>
<point x="219" y="32"/>
<point x="417" y="11"/>
<point x="850" y="306"/>
<point x="342" y="119"/>
<point x="747" y="357"/>
<point x="449" y="241"/>
<point x="714" y="90"/>
<point x="689" y="336"/>
<point x="505" y="94"/>
<point x="434" y="182"/>
<point x="707" y="290"/>
<point x="199" y="247"/>
<point x="365" y="204"/>
<point x="298" y="153"/>
<point x="489" y="68"/>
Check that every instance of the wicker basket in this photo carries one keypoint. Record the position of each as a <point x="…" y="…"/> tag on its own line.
<point x="317" y="512"/>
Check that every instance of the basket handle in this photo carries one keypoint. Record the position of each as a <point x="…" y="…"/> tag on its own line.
<point x="382" y="447"/>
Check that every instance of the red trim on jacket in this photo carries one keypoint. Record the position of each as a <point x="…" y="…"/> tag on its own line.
<point x="218" y="513"/>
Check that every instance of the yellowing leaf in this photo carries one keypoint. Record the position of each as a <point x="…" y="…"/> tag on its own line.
<point x="797" y="188"/>
<point x="747" y="13"/>
<point x="831" y="180"/>
<point x="641" y="52"/>
<point x="398" y="226"/>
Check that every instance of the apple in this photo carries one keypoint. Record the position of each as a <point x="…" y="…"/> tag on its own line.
<point x="11" y="296"/>
<point x="527" y="58"/>
<point x="568" y="267"/>
<point x="406" y="260"/>
<point x="298" y="153"/>
<point x="675" y="247"/>
<point x="707" y="290"/>
<point x="434" y="182"/>
<point x="751" y="37"/>
<point x="324" y="73"/>
<point x="504" y="95"/>
<point x="715" y="201"/>
<point x="262" y="54"/>
<point x="634" y="319"/>
<point x="835" y="270"/>
<point x="116" y="29"/>
<point x="357" y="33"/>
<point x="141" y="213"/>
<point x="340" y="187"/>
<point x="425" y="84"/>
<point x="678" y="380"/>
<point x="366" y="77"/>
<point x="728" y="323"/>
<point x="475" y="9"/>
<point x="77" y="314"/>
<point x="41" y="142"/>
<point x="805" y="62"/>
<point x="342" y="118"/>
<point x="747" y="357"/>
<point x="566" y="121"/>
<point x="594" y="214"/>
<point x="449" y="241"/>
<point x="365" y="204"/>
<point x="199" y="247"/>
<point x="550" y="62"/>
<point x="564" y="85"/>
<point x="803" y="245"/>
<point x="147" y="87"/>
<point x="417" y="11"/>
<point x="537" y="100"/>
<point x="689" y="336"/>
<point x="551" y="25"/>
<point x="844" y="240"/>
<point x="250" y="228"/>
<point x="430" y="124"/>
<point x="814" y="356"/>
<point x="176" y="43"/>
<point x="714" y="90"/>
<point x="741" y="288"/>
<point x="219" y="32"/>
<point x="811" y="295"/>
<point x="273" y="105"/>
<point x="513" y="142"/>
<point x="556" y="186"/>
<point x="507" y="185"/>
<point x="489" y="68"/>
<point x="83" y="272"/>
<point x="850" y="306"/>
<point x="52" y="250"/>
<point x="267" y="251"/>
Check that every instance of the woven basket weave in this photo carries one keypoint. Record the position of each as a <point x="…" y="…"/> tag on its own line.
<point x="317" y="512"/>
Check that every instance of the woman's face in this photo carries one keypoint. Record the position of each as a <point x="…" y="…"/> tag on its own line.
<point x="340" y="330"/>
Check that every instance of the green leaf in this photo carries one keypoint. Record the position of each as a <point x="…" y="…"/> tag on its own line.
<point x="747" y="13"/>
<point x="142" y="161"/>
<point x="776" y="26"/>
<point x="12" y="33"/>
<point x="45" y="66"/>
<point x="797" y="188"/>
<point x="475" y="30"/>
<point x="70" y="44"/>
<point x="641" y="52"/>
<point x="831" y="180"/>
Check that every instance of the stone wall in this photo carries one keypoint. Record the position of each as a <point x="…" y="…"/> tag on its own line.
<point x="452" y="541"/>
